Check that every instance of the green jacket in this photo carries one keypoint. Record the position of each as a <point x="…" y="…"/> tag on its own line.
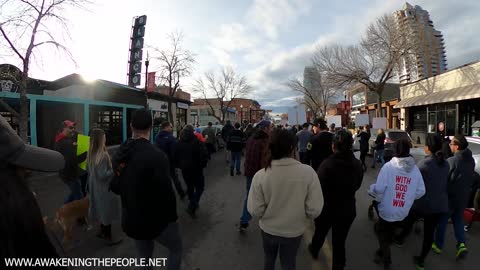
<point x="210" y="131"/>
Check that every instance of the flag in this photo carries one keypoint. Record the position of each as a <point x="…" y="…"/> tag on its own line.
<point x="151" y="81"/>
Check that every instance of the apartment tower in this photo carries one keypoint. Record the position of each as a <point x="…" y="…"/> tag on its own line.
<point x="427" y="56"/>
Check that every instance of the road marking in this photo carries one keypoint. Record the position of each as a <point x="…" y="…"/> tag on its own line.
<point x="326" y="259"/>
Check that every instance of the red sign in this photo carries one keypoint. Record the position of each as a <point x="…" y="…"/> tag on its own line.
<point x="151" y="81"/>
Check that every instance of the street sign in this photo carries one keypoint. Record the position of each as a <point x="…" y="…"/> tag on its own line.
<point x="136" y="51"/>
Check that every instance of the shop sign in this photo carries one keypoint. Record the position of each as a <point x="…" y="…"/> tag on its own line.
<point x="182" y="105"/>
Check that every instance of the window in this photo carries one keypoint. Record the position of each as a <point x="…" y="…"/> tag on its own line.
<point x="110" y="120"/>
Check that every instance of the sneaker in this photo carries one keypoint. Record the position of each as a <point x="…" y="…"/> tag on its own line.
<point x="373" y="167"/>
<point x="419" y="263"/>
<point x="312" y="252"/>
<point x="243" y="227"/>
<point x="436" y="249"/>
<point x="231" y="172"/>
<point x="462" y="251"/>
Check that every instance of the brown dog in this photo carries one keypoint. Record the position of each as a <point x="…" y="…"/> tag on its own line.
<point x="68" y="215"/>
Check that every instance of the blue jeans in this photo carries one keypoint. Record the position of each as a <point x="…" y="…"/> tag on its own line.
<point x="195" y="186"/>
<point x="75" y="187"/>
<point x="246" y="217"/>
<point x="287" y="247"/>
<point x="236" y="159"/>
<point x="169" y="238"/>
<point x="379" y="154"/>
<point x="458" y="227"/>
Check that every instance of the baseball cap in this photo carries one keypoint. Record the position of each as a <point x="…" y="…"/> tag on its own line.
<point x="264" y="124"/>
<point x="14" y="151"/>
<point x="69" y="124"/>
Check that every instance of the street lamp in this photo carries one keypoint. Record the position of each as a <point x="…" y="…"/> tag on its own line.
<point x="241" y="113"/>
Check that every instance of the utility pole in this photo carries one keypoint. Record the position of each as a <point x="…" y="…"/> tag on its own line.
<point x="147" y="62"/>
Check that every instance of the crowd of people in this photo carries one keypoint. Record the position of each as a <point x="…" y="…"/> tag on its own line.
<point x="291" y="174"/>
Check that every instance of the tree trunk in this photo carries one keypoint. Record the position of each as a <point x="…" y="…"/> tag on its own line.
<point x="170" y="112"/>
<point x="379" y="105"/>
<point x="23" y="121"/>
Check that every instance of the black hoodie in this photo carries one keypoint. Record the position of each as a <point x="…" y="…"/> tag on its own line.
<point x="148" y="199"/>
<point x="460" y="178"/>
<point x="190" y="153"/>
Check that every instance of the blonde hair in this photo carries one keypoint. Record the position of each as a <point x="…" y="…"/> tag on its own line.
<point x="97" y="150"/>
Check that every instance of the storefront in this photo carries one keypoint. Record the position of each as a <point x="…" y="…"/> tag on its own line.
<point x="452" y="98"/>
<point x="182" y="113"/>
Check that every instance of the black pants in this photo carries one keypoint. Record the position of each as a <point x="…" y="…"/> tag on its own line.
<point x="286" y="247"/>
<point x="363" y="155"/>
<point x="340" y="224"/>
<point x="385" y="231"/>
<point x="195" y="186"/>
<point x="177" y="183"/>
<point x="430" y="222"/>
<point x="210" y="149"/>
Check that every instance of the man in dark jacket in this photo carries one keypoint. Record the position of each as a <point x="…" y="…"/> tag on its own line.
<point x="226" y="130"/>
<point x="149" y="211"/>
<point x="364" y="136"/>
<point x="67" y="146"/>
<point x="235" y="146"/>
<point x="165" y="141"/>
<point x="460" y="178"/>
<point x="191" y="157"/>
<point x="255" y="160"/>
<point x="211" y="139"/>
<point x="320" y="146"/>
<point x="340" y="176"/>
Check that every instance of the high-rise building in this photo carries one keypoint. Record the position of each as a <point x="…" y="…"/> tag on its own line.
<point x="427" y="55"/>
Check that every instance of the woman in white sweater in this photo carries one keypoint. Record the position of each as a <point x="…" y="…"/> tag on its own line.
<point x="284" y="195"/>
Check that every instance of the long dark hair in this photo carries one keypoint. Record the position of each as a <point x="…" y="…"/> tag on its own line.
<point x="343" y="141"/>
<point x="281" y="144"/>
<point x="402" y="148"/>
<point x="434" y="144"/>
<point x="22" y="231"/>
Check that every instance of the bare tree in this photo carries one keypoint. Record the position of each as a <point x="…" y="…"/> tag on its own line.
<point x="373" y="63"/>
<point x="318" y="93"/>
<point x="25" y="26"/>
<point x="225" y="88"/>
<point x="175" y="63"/>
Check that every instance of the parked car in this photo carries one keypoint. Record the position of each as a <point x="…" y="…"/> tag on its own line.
<point x="218" y="131"/>
<point x="392" y="135"/>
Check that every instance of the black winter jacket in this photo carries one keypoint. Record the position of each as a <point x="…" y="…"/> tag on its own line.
<point x="190" y="153"/>
<point x="145" y="187"/>
<point x="235" y="141"/>
<point x="460" y="178"/>
<point x="319" y="148"/>
<point x="340" y="175"/>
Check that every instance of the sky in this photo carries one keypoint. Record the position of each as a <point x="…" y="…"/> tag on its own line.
<point x="268" y="41"/>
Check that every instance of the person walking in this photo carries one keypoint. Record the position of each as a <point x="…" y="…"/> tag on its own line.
<point x="165" y="141"/>
<point x="104" y="205"/>
<point x="283" y="195"/>
<point x="65" y="144"/>
<point x="22" y="229"/>
<point x="340" y="176"/>
<point x="235" y="145"/>
<point x="379" y="147"/>
<point x="434" y="169"/>
<point x="303" y="137"/>
<point x="255" y="159"/>
<point x="398" y="185"/>
<point x="210" y="136"/>
<point x="198" y="134"/>
<point x="191" y="157"/>
<point x="226" y="130"/>
<point x="364" y="136"/>
<point x="460" y="178"/>
<point x="142" y="179"/>
<point x="319" y="147"/>
<point x="249" y="131"/>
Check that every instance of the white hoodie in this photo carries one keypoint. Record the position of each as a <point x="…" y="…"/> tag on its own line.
<point x="399" y="184"/>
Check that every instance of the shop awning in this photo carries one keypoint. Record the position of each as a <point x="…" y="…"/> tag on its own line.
<point x="460" y="93"/>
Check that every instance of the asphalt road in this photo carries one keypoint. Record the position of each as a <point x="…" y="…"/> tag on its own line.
<point x="212" y="241"/>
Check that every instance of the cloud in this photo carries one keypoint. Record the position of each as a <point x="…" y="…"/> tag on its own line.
<point x="275" y="16"/>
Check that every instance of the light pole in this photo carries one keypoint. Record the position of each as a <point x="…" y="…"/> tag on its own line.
<point x="241" y="113"/>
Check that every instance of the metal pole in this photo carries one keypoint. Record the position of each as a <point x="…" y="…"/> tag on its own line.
<point x="147" y="62"/>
